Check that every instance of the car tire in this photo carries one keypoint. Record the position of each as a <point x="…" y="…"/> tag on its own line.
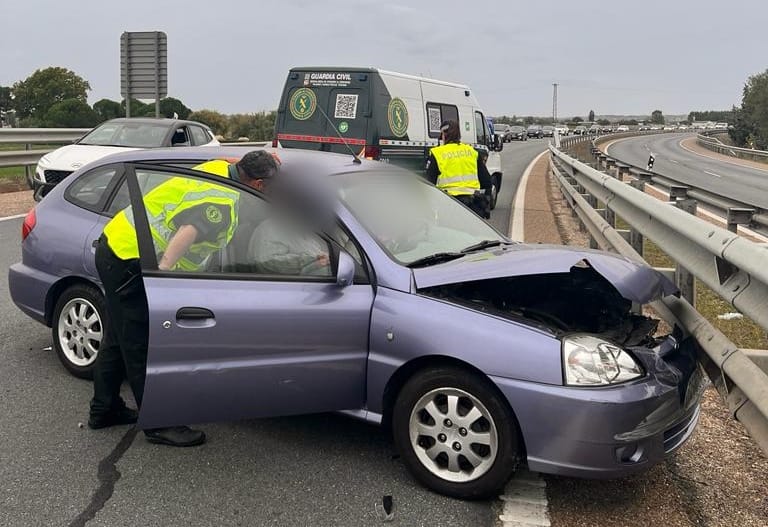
<point x="78" y="328"/>
<point x="459" y="467"/>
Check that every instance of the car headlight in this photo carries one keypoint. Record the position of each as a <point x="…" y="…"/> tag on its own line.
<point x="592" y="361"/>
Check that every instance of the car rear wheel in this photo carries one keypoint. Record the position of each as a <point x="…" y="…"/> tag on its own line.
<point x="78" y="328"/>
<point x="455" y="433"/>
<point x="494" y="192"/>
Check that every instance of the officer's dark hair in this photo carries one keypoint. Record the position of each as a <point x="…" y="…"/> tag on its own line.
<point x="451" y="130"/>
<point x="258" y="164"/>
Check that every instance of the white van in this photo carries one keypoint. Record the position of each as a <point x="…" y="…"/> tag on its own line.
<point x="381" y="115"/>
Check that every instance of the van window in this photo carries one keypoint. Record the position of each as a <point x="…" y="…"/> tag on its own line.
<point x="437" y="113"/>
<point x="480" y="129"/>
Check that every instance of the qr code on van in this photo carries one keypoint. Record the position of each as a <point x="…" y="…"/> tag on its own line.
<point x="346" y="106"/>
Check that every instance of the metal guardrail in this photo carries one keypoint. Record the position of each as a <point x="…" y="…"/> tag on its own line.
<point x="712" y="143"/>
<point x="729" y="264"/>
<point x="44" y="136"/>
<point x="735" y="212"/>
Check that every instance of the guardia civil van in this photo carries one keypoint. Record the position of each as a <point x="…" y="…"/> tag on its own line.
<point x="381" y="115"/>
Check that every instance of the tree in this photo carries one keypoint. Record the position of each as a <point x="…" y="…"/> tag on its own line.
<point x="170" y="106"/>
<point x="108" y="109"/>
<point x="71" y="113"/>
<point x="577" y="120"/>
<point x="751" y="125"/>
<point x="215" y="120"/>
<point x="657" y="117"/>
<point x="603" y="122"/>
<point x="591" y="117"/>
<point x="36" y="94"/>
<point x="6" y="102"/>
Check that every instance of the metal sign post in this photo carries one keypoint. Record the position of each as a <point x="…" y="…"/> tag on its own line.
<point x="143" y="67"/>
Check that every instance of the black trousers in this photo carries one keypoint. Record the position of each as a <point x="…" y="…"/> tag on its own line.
<point x="123" y="351"/>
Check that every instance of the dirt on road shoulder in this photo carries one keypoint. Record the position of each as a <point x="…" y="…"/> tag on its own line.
<point x="13" y="203"/>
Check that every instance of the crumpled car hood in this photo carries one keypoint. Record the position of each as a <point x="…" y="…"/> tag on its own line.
<point x="635" y="282"/>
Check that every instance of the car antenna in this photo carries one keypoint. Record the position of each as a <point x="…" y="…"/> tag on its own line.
<point x="355" y="159"/>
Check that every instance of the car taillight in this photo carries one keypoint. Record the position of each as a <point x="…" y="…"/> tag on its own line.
<point x="29" y="223"/>
<point x="274" y="142"/>
<point x="371" y="152"/>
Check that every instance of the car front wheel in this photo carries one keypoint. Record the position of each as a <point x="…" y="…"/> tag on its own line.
<point x="455" y="433"/>
<point x="78" y="328"/>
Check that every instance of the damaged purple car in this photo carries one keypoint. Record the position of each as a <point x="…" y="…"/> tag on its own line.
<point x="405" y="309"/>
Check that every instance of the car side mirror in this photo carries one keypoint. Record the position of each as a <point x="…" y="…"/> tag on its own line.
<point x="345" y="271"/>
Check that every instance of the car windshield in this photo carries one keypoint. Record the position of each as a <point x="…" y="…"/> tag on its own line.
<point x="499" y="127"/>
<point x="411" y="219"/>
<point x="517" y="128"/>
<point x="127" y="134"/>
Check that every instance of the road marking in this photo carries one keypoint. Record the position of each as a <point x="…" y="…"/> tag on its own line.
<point x="516" y="228"/>
<point x="525" y="501"/>
<point x="675" y="162"/>
<point x="16" y="217"/>
<point x="712" y="173"/>
<point x="742" y="231"/>
<point x="712" y="158"/>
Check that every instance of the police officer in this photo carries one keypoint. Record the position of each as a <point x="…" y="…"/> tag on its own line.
<point x="189" y="219"/>
<point x="458" y="170"/>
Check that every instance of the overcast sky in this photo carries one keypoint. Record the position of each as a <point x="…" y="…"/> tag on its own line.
<point x="616" y="57"/>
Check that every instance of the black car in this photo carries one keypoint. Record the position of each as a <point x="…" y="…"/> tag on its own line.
<point x="548" y="131"/>
<point x="517" y="133"/>
<point x="535" y="130"/>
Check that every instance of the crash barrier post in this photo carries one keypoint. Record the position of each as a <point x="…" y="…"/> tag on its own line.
<point x="729" y="264"/>
<point x="708" y="141"/>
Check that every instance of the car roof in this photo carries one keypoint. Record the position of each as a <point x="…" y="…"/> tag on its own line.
<point x="154" y="120"/>
<point x="321" y="162"/>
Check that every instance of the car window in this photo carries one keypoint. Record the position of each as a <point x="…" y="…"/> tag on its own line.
<point x="234" y="230"/>
<point x="480" y="128"/>
<point x="199" y="136"/>
<point x="120" y="200"/>
<point x="128" y="134"/>
<point x="180" y="137"/>
<point x="428" y="221"/>
<point x="89" y="190"/>
<point x="437" y="113"/>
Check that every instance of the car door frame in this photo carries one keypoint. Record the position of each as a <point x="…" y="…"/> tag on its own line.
<point x="345" y="393"/>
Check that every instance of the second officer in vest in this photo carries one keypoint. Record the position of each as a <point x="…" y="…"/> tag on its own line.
<point x="458" y="170"/>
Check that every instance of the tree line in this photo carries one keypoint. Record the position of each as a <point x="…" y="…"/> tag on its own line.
<point x="56" y="97"/>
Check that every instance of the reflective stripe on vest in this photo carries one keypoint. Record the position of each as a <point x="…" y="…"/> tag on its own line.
<point x="163" y="204"/>
<point x="457" y="164"/>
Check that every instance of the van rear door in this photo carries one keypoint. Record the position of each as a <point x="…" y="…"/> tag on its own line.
<point x="321" y="110"/>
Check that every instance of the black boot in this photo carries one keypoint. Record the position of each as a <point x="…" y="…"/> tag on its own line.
<point x="120" y="416"/>
<point x="175" y="436"/>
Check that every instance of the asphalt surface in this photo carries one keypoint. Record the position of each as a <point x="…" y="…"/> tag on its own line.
<point x="741" y="183"/>
<point x="309" y="470"/>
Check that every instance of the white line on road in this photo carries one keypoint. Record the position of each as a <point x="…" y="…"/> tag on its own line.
<point x="525" y="501"/>
<point x="516" y="229"/>
<point x="16" y="217"/>
<point x="675" y="162"/>
<point x="712" y="158"/>
<point x="712" y="173"/>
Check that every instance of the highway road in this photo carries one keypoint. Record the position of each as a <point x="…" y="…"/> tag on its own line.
<point x="308" y="470"/>
<point x="675" y="161"/>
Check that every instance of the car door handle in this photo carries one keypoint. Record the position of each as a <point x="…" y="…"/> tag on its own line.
<point x="194" y="313"/>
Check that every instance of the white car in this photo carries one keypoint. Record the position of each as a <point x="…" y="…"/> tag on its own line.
<point x="117" y="135"/>
<point x="562" y="129"/>
<point x="622" y="128"/>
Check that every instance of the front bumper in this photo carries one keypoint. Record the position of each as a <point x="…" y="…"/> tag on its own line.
<point x="614" y="431"/>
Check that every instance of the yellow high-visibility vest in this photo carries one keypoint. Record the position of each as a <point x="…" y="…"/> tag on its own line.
<point x="218" y="167"/>
<point x="163" y="204"/>
<point x="457" y="164"/>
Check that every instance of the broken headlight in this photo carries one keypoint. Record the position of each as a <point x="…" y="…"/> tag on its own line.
<point x="592" y="361"/>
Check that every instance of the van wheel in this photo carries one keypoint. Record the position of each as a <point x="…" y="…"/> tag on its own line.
<point x="78" y="328"/>
<point x="455" y="433"/>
